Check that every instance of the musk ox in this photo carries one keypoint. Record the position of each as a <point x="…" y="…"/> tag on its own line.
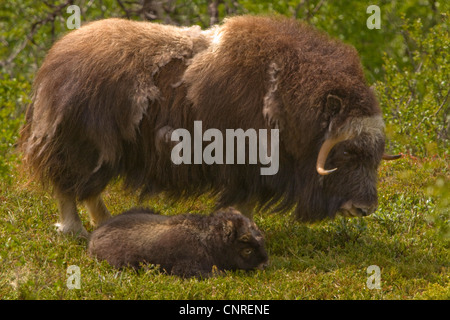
<point x="107" y="94"/>
<point x="184" y="245"/>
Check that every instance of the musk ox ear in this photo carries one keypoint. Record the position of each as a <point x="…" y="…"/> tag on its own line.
<point x="334" y="105"/>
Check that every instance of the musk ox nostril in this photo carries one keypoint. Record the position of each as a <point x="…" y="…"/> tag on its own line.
<point x="366" y="211"/>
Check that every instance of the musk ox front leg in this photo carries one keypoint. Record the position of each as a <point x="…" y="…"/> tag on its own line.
<point x="69" y="220"/>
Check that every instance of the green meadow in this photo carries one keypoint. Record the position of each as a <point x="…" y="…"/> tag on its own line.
<point x="399" y="252"/>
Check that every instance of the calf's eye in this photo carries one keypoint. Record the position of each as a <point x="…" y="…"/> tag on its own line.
<point x="247" y="252"/>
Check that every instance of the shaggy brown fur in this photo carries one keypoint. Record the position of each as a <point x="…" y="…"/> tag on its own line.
<point x="185" y="245"/>
<point x="106" y="93"/>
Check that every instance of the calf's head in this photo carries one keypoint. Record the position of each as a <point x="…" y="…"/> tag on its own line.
<point x="242" y="242"/>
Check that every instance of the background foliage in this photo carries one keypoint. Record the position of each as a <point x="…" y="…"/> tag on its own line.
<point x="407" y="61"/>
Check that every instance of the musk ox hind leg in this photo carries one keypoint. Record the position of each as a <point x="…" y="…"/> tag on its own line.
<point x="69" y="220"/>
<point x="97" y="210"/>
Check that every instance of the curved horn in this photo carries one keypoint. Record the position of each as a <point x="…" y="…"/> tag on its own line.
<point x="391" y="157"/>
<point x="326" y="147"/>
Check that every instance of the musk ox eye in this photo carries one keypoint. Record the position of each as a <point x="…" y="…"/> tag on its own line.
<point x="348" y="154"/>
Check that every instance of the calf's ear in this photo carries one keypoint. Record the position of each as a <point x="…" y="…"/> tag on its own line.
<point x="245" y="237"/>
<point x="228" y="228"/>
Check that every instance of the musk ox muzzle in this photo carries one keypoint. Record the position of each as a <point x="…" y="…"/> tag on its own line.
<point x="348" y="209"/>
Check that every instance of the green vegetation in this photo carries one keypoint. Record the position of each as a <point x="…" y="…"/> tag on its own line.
<point x="407" y="61"/>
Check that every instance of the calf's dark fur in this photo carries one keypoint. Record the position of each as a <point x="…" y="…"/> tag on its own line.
<point x="184" y="245"/>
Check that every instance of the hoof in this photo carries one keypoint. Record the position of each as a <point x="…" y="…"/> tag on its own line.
<point x="77" y="232"/>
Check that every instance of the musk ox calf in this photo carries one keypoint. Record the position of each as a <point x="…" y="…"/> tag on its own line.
<point x="185" y="245"/>
<point x="107" y="93"/>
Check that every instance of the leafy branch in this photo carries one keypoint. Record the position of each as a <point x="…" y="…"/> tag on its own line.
<point x="51" y="16"/>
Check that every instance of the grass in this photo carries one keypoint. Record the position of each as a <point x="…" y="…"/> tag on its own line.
<point x="407" y="238"/>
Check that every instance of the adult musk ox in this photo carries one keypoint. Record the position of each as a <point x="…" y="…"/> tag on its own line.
<point x="107" y="93"/>
<point x="184" y="245"/>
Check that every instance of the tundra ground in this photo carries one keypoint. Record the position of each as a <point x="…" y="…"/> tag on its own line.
<point x="407" y="238"/>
